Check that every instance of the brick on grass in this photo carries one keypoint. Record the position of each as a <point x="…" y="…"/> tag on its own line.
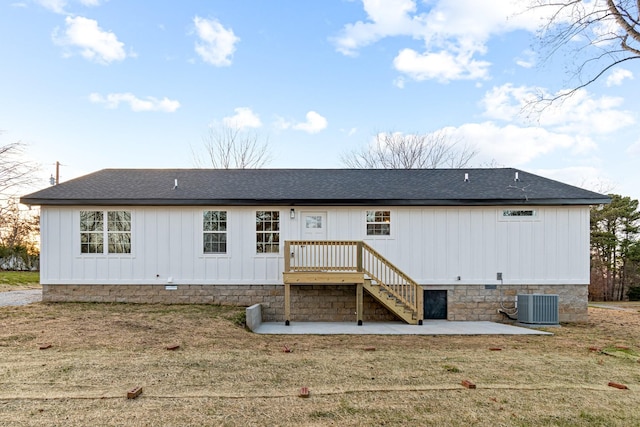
<point x="134" y="392"/>
<point x="304" y="392"/>
<point x="468" y="384"/>
<point x="618" y="385"/>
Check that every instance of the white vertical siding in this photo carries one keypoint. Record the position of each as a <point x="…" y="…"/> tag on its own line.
<point x="433" y="245"/>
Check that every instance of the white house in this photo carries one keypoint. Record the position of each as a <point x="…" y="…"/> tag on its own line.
<point x="319" y="244"/>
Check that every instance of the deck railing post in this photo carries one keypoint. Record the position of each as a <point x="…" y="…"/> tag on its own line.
<point x="359" y="251"/>
<point x="287" y="256"/>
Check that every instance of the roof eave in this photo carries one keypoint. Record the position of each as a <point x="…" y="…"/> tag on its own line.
<point x="311" y="202"/>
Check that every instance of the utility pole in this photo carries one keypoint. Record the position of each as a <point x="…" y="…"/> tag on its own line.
<point x="56" y="180"/>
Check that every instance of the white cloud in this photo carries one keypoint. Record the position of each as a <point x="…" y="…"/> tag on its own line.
<point x="399" y="82"/>
<point x="58" y="6"/>
<point x="314" y="124"/>
<point x="216" y="44"/>
<point x="453" y="32"/>
<point x="386" y="18"/>
<point x="617" y="77"/>
<point x="136" y="104"/>
<point x="244" y="118"/>
<point x="95" y="44"/>
<point x="527" y="59"/>
<point x="510" y="145"/>
<point x="580" y="114"/>
<point x="570" y="129"/>
<point x="442" y="66"/>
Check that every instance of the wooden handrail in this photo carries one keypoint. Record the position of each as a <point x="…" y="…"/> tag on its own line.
<point x="391" y="278"/>
<point x="353" y="256"/>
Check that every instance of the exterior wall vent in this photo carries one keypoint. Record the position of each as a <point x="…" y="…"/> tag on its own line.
<point x="538" y="309"/>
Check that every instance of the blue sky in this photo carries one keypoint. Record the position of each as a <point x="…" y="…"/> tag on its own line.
<point x="136" y="84"/>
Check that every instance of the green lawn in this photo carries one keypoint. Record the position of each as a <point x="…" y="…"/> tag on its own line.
<point x="10" y="280"/>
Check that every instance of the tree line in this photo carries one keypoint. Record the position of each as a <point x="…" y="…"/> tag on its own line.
<point x="19" y="226"/>
<point x="615" y="250"/>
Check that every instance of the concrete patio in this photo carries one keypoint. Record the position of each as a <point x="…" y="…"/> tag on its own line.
<point x="430" y="327"/>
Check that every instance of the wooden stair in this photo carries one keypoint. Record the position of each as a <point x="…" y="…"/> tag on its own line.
<point x="391" y="303"/>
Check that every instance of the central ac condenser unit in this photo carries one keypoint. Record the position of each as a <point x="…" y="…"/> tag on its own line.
<point x="538" y="309"/>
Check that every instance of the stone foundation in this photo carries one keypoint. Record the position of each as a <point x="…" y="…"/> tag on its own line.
<point x="319" y="303"/>
<point x="324" y="303"/>
<point x="479" y="302"/>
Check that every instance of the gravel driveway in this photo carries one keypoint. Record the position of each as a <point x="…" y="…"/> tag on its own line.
<point x="20" y="297"/>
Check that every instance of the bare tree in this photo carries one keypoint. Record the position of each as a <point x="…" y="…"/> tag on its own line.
<point x="601" y="35"/>
<point x="411" y="151"/>
<point x="228" y="147"/>
<point x="16" y="171"/>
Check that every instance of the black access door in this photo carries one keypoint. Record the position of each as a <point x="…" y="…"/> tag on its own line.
<point x="435" y="304"/>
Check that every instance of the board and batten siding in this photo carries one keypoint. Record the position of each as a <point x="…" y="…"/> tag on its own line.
<point x="433" y="245"/>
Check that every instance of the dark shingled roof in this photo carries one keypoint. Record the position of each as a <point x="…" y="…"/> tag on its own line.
<point x="338" y="187"/>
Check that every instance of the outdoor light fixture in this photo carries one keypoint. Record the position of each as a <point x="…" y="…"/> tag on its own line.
<point x="292" y="213"/>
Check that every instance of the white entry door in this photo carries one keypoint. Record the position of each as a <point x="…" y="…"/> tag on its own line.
<point x="314" y="226"/>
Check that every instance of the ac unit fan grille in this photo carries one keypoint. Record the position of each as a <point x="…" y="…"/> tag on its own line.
<point x="538" y="309"/>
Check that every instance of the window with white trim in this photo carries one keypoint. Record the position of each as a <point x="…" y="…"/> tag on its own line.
<point x="214" y="232"/>
<point x="116" y="232"/>
<point x="378" y="223"/>
<point x="267" y="232"/>
<point x="510" y="213"/>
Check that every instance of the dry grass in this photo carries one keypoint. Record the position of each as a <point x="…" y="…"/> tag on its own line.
<point x="224" y="375"/>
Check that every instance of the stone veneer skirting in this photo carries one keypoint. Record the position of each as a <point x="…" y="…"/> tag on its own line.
<point x="480" y="302"/>
<point x="326" y="303"/>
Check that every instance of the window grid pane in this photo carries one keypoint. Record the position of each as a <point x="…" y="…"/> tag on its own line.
<point x="378" y="223"/>
<point x="91" y="243"/>
<point x="119" y="232"/>
<point x="91" y="232"/>
<point x="214" y="226"/>
<point x="267" y="232"/>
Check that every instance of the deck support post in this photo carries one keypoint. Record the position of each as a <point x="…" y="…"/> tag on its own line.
<point x="420" y="303"/>
<point x="359" y="302"/>
<point x="287" y="303"/>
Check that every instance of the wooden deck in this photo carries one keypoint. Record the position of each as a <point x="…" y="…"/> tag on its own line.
<point x="352" y="262"/>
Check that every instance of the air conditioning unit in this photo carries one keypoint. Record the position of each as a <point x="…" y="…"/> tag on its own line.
<point x="538" y="309"/>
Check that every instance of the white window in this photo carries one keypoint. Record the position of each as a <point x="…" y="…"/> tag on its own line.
<point x="518" y="215"/>
<point x="94" y="233"/>
<point x="214" y="232"/>
<point x="378" y="223"/>
<point x="267" y="232"/>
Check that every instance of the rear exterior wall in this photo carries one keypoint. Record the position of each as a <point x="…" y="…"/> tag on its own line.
<point x="460" y="249"/>
<point x="432" y="245"/>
